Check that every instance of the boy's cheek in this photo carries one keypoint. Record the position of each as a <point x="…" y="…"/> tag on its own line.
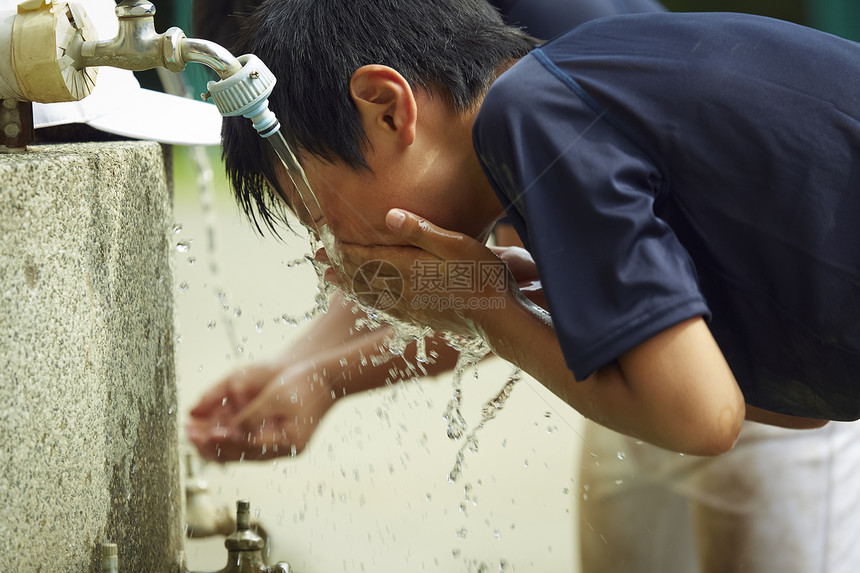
<point x="368" y="237"/>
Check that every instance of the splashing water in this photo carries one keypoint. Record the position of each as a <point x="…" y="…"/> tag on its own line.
<point x="471" y="351"/>
<point x="324" y="290"/>
<point x="491" y="408"/>
<point x="471" y="348"/>
<point x="206" y="188"/>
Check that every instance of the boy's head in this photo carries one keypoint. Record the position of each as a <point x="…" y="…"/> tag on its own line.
<point x="350" y="74"/>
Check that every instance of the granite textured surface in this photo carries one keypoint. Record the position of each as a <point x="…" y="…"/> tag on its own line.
<point x="88" y="424"/>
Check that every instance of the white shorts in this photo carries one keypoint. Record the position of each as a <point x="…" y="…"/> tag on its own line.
<point x="782" y="501"/>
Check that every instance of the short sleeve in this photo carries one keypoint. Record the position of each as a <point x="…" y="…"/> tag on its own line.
<point x="581" y="193"/>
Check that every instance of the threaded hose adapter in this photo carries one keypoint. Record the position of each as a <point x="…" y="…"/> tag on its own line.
<point x="246" y="93"/>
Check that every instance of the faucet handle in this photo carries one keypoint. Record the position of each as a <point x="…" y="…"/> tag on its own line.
<point x="244" y="539"/>
<point x="134" y="8"/>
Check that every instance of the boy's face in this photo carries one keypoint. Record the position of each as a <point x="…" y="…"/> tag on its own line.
<point x="353" y="203"/>
<point x="434" y="174"/>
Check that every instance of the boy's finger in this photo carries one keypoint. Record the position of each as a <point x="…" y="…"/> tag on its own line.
<point x="424" y="234"/>
<point x="321" y="256"/>
<point x="208" y="403"/>
<point x="201" y="410"/>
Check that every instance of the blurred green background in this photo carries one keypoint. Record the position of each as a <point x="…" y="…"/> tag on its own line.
<point x="841" y="17"/>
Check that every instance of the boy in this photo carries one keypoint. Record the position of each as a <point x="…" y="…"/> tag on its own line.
<point x="766" y="238"/>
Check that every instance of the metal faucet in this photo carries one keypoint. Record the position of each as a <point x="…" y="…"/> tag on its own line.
<point x="203" y="518"/>
<point x="137" y="46"/>
<point x="243" y="88"/>
<point x="244" y="547"/>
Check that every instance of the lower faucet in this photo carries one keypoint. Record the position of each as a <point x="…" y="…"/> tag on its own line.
<point x="244" y="550"/>
<point x="245" y="547"/>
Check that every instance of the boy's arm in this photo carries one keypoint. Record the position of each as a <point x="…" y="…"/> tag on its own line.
<point x="674" y="390"/>
<point x="313" y="373"/>
<point x="279" y="403"/>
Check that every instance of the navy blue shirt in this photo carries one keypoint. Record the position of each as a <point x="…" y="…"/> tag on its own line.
<point x="548" y="18"/>
<point x="665" y="166"/>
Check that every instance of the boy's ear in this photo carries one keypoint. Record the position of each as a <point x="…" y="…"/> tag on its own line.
<point x="385" y="102"/>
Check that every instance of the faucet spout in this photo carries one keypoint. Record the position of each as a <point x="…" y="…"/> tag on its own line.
<point x="137" y="46"/>
<point x="244" y="547"/>
<point x="210" y="54"/>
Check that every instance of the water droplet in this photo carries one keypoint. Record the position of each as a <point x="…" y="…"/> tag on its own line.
<point x="224" y="401"/>
<point x="237" y="312"/>
<point x="259" y="326"/>
<point x="461" y="533"/>
<point x="289" y="320"/>
<point x="621" y="455"/>
<point x="191" y="260"/>
<point x="210" y="325"/>
<point x="183" y="246"/>
<point x="177" y="228"/>
<point x="183" y="286"/>
<point x="454" y="474"/>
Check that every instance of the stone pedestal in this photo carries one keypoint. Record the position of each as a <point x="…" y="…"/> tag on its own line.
<point x="88" y="421"/>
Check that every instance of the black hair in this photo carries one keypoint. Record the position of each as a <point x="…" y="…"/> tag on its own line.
<point x="449" y="48"/>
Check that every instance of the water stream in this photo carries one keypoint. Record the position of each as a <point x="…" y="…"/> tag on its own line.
<point x="471" y="349"/>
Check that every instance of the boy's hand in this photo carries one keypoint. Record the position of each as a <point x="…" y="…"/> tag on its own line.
<point x="224" y="400"/>
<point x="261" y="412"/>
<point x="445" y="280"/>
<point x="524" y="270"/>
